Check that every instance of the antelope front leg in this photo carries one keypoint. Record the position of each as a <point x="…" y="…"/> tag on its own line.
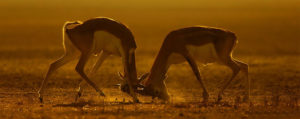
<point x="235" y="70"/>
<point x="195" y="69"/>
<point x="245" y="69"/>
<point x="129" y="69"/>
<point x="53" y="67"/>
<point x="79" y="68"/>
<point x="96" y="66"/>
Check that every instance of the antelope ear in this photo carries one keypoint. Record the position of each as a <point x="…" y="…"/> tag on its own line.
<point x="121" y="75"/>
<point x="143" y="77"/>
<point x="78" y="22"/>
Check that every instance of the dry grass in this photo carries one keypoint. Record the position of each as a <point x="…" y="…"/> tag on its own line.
<point x="268" y="41"/>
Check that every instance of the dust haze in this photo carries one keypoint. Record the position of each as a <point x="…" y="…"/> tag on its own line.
<point x="268" y="32"/>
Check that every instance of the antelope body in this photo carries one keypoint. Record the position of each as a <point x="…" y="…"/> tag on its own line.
<point x="194" y="45"/>
<point x="101" y="36"/>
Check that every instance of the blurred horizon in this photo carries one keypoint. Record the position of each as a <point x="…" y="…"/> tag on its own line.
<point x="156" y="3"/>
<point x="262" y="27"/>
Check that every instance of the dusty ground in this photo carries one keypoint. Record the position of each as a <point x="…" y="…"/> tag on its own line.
<point x="268" y="34"/>
<point x="271" y="77"/>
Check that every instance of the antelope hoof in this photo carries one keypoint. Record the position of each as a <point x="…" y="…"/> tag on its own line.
<point x="246" y="98"/>
<point x="136" y="101"/>
<point x="79" y="94"/>
<point x="205" y="96"/>
<point x="102" y="94"/>
<point x="219" y="98"/>
<point x="41" y="99"/>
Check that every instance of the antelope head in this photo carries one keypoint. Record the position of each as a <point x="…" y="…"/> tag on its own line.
<point x="158" y="90"/>
<point x="137" y="88"/>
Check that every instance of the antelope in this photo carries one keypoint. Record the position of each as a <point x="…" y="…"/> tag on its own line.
<point x="97" y="36"/>
<point x="193" y="44"/>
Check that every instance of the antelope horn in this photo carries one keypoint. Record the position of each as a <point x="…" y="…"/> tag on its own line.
<point x="121" y="75"/>
<point x="166" y="76"/>
<point x="143" y="77"/>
